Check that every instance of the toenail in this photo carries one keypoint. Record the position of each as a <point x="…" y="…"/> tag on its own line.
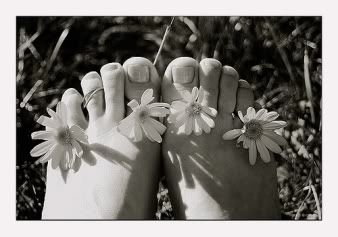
<point x="183" y="74"/>
<point x="71" y="91"/>
<point x="212" y="64"/>
<point x="230" y="71"/>
<point x="244" y="84"/>
<point x="110" y="67"/>
<point x="138" y="73"/>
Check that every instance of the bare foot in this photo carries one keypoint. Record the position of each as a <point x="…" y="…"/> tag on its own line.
<point x="209" y="178"/>
<point x="118" y="178"/>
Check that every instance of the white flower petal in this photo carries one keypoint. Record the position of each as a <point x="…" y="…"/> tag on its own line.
<point x="137" y="132"/>
<point x="241" y="138"/>
<point x="54" y="116"/>
<point x="197" y="128"/>
<point x="146" y="132"/>
<point x="182" y="120"/>
<point x="275" y="137"/>
<point x="202" y="124"/>
<point x="241" y="117"/>
<point x="76" y="164"/>
<point x="181" y="129"/>
<point x="264" y="153"/>
<point x="178" y="105"/>
<point x="274" y="125"/>
<point x="151" y="132"/>
<point x="250" y="113"/>
<point x="157" y="125"/>
<point x="159" y="111"/>
<point x="43" y="135"/>
<point x="261" y="114"/>
<point x="200" y="95"/>
<point x="77" y="148"/>
<point x="232" y="134"/>
<point x="48" y="122"/>
<point x="42" y="148"/>
<point x="78" y="134"/>
<point x="186" y="96"/>
<point x="246" y="142"/>
<point x="271" y="145"/>
<point x="209" y="110"/>
<point x="72" y="158"/>
<point x="158" y="104"/>
<point x="49" y="155"/>
<point x="126" y="125"/>
<point x="252" y="152"/>
<point x="194" y="94"/>
<point x="58" y="156"/>
<point x="133" y="104"/>
<point x="61" y="111"/>
<point x="207" y="119"/>
<point x="271" y="116"/>
<point x="66" y="159"/>
<point x="188" y="125"/>
<point x="172" y="118"/>
<point x="147" y="97"/>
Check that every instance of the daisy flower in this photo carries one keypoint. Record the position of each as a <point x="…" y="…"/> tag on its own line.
<point x="258" y="133"/>
<point x="190" y="115"/>
<point x="61" y="144"/>
<point x="140" y="120"/>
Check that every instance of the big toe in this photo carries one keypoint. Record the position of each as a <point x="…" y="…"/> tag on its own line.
<point x="140" y="76"/>
<point x="180" y="76"/>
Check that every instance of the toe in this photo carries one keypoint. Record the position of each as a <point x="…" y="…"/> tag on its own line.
<point x="92" y="81"/>
<point x="244" y="100"/>
<point x="228" y="90"/>
<point x="113" y="84"/>
<point x="140" y="75"/>
<point x="181" y="75"/>
<point x="209" y="74"/>
<point x="227" y="97"/>
<point x="73" y="99"/>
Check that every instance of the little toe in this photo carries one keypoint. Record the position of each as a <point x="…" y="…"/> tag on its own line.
<point x="209" y="73"/>
<point x="95" y="106"/>
<point x="113" y="84"/>
<point x="245" y="99"/>
<point x="73" y="99"/>
<point x="180" y="76"/>
<point x="140" y="76"/>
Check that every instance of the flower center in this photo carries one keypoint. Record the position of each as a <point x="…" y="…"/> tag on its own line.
<point x="64" y="137"/>
<point x="253" y="129"/>
<point x="194" y="108"/>
<point x="142" y="114"/>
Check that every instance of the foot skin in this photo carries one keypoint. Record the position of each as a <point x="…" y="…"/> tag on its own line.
<point x="118" y="178"/>
<point x="209" y="178"/>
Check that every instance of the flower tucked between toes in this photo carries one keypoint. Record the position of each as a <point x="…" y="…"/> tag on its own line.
<point x="258" y="133"/>
<point x="190" y="115"/>
<point x="140" y="120"/>
<point x="62" y="144"/>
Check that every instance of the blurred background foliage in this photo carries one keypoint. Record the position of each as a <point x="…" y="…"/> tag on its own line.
<point x="280" y="56"/>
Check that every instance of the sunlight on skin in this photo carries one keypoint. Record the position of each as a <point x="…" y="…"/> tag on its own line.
<point x="209" y="178"/>
<point x="118" y="178"/>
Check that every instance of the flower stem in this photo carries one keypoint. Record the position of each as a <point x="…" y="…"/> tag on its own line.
<point x="163" y="40"/>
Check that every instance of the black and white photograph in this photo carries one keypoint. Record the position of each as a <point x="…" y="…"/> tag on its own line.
<point x="169" y="117"/>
